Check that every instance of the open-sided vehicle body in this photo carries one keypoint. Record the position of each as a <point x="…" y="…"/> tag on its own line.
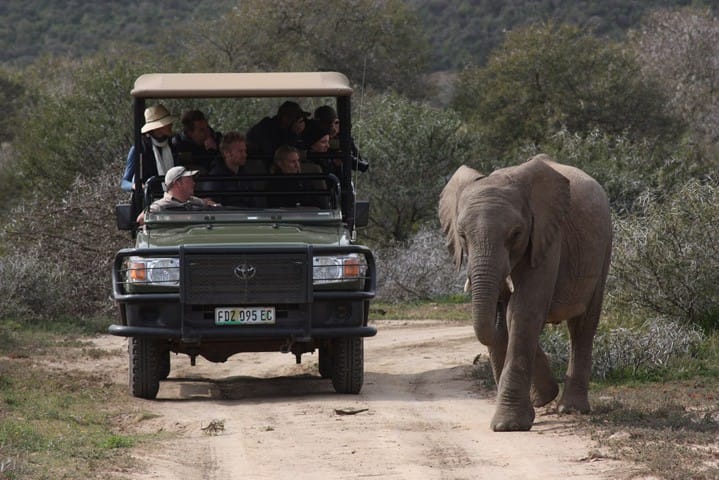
<point x="244" y="276"/>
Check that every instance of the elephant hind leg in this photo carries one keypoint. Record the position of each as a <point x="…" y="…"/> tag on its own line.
<point x="544" y="386"/>
<point x="575" y="397"/>
<point x="582" y="328"/>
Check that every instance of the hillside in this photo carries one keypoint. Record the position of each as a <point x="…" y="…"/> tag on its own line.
<point x="465" y="32"/>
<point x="31" y="28"/>
<point x="461" y="32"/>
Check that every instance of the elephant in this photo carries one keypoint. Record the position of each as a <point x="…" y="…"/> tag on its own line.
<point x="537" y="238"/>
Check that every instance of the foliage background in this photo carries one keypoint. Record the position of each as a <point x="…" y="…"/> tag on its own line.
<point x="623" y="90"/>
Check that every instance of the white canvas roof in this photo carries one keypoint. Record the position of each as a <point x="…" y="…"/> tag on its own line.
<point x="207" y="85"/>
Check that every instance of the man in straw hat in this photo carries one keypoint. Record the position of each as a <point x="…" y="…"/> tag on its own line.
<point x="180" y="185"/>
<point x="156" y="152"/>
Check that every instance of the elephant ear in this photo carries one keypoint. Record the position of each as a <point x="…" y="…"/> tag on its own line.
<point x="549" y="204"/>
<point x="449" y="209"/>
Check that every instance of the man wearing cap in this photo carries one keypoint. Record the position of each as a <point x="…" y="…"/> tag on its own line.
<point x="285" y="128"/>
<point x="157" y="154"/>
<point x="180" y="184"/>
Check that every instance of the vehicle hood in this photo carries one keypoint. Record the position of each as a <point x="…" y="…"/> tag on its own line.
<point x="224" y="234"/>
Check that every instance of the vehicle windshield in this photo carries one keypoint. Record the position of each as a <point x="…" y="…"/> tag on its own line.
<point x="314" y="191"/>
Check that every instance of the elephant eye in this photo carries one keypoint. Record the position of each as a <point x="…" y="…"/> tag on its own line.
<point x="515" y="235"/>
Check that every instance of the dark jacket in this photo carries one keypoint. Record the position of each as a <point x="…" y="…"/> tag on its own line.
<point x="266" y="136"/>
<point x="238" y="184"/>
<point x="294" y="186"/>
<point x="149" y="164"/>
<point x="194" y="156"/>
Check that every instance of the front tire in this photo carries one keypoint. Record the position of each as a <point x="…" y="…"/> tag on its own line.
<point x="325" y="362"/>
<point x="146" y="366"/>
<point x="348" y="364"/>
<point x="164" y="364"/>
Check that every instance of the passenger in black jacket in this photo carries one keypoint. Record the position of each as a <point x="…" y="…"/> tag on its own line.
<point x="285" y="128"/>
<point x="233" y="163"/>
<point x="197" y="146"/>
<point x="286" y="166"/>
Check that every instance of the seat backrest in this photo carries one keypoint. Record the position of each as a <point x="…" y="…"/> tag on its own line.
<point x="255" y="166"/>
<point x="310" y="167"/>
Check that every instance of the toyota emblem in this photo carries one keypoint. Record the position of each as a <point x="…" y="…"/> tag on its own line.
<point x="245" y="271"/>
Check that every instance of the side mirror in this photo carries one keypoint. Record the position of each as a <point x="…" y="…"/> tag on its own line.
<point x="123" y="214"/>
<point x="361" y="213"/>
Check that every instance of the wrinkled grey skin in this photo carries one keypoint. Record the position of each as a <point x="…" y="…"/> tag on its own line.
<point x="546" y="226"/>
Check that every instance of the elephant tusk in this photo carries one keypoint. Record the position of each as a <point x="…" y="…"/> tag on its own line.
<point x="466" y="285"/>
<point x="510" y="284"/>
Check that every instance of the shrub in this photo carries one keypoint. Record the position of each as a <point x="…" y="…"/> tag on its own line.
<point x="31" y="286"/>
<point x="665" y="257"/>
<point x="56" y="254"/>
<point x="418" y="269"/>
<point x="644" y="349"/>
<point x="624" y="168"/>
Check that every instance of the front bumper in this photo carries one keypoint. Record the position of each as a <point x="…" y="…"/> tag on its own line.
<point x="304" y="312"/>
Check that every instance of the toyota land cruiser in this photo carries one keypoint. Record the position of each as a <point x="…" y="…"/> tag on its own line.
<point x="217" y="281"/>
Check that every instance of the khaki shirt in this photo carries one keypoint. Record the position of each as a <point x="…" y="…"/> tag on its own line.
<point x="168" y="201"/>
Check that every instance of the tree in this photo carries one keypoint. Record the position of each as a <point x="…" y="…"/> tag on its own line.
<point x="682" y="47"/>
<point x="78" y="125"/>
<point x="12" y="94"/>
<point x="548" y="77"/>
<point x="379" y="41"/>
<point x="412" y="149"/>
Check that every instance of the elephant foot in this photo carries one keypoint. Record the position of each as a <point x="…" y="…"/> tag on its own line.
<point x="544" y="393"/>
<point x="578" y="403"/>
<point x="512" y="420"/>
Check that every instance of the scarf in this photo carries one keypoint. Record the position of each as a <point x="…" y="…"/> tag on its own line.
<point x="163" y="155"/>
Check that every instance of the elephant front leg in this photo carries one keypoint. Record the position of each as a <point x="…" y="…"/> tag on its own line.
<point x="514" y="411"/>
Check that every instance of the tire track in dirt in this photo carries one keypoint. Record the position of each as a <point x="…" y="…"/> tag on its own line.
<point x="425" y="414"/>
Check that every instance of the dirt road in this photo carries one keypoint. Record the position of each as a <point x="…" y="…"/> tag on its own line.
<point x="423" y="413"/>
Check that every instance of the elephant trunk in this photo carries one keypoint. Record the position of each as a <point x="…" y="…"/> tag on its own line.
<point x="485" y="285"/>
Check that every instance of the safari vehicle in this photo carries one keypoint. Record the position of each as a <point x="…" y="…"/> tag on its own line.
<point x="217" y="281"/>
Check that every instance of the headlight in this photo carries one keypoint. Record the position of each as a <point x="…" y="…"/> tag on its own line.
<point x="164" y="272"/>
<point x="338" y="268"/>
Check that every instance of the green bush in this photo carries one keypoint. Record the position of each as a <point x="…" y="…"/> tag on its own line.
<point x="412" y="149"/>
<point x="547" y="77"/>
<point x="625" y="168"/>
